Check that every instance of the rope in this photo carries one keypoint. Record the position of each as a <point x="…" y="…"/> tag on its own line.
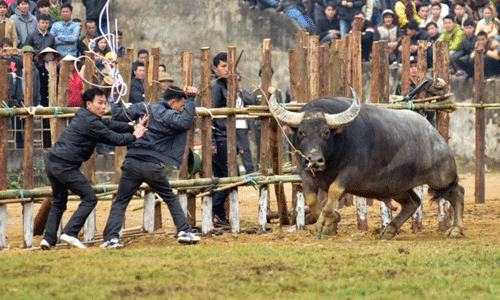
<point x="252" y="182"/>
<point x="56" y="112"/>
<point x="22" y="196"/>
<point x="411" y="106"/>
<point x="9" y="111"/>
<point x="105" y="191"/>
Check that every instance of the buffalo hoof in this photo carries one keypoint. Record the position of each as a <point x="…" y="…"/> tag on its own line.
<point x="455" y="232"/>
<point x="388" y="233"/>
<point x="327" y="225"/>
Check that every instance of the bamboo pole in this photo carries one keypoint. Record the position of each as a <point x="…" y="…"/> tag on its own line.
<point x="206" y="138"/>
<point x="405" y="71"/>
<point x="479" y="184"/>
<point x="4" y="146"/>
<point x="187" y="201"/>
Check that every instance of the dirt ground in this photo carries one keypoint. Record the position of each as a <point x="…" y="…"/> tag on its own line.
<point x="481" y="220"/>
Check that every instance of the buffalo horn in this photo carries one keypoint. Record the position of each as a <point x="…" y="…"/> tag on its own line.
<point x="291" y="119"/>
<point x="346" y="117"/>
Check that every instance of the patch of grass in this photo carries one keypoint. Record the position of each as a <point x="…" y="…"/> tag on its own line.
<point x="273" y="269"/>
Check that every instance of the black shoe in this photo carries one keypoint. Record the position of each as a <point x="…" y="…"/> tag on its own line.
<point x="218" y="222"/>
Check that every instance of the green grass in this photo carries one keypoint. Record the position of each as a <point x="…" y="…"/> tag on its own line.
<point x="314" y="269"/>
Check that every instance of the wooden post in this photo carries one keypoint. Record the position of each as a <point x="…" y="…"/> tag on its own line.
<point x="479" y="193"/>
<point x="28" y="177"/>
<point x="383" y="51"/>
<point x="89" y="167"/>
<point x="188" y="201"/>
<point x="263" y="201"/>
<point x="405" y="71"/>
<point x="441" y="63"/>
<point x="149" y="212"/>
<point x="336" y="65"/>
<point x="151" y="92"/>
<point x="346" y="39"/>
<point x="125" y="67"/>
<point x="314" y="67"/>
<point x="324" y="71"/>
<point x="232" y="164"/>
<point x="4" y="145"/>
<point x="206" y="138"/>
<point x="358" y="24"/>
<point x="375" y="74"/>
<point x="301" y="51"/>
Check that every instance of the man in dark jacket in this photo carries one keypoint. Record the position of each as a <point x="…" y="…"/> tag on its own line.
<point x="164" y="143"/>
<point x="367" y="30"/>
<point x="137" y="84"/>
<point x="467" y="46"/>
<point x="41" y="38"/>
<point x="328" y="27"/>
<point x="413" y="30"/>
<point x="76" y="145"/>
<point x="93" y="10"/>
<point x="346" y="10"/>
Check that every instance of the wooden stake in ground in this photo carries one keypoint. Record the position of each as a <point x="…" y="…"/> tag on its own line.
<point x="479" y="193"/>
<point x="4" y="145"/>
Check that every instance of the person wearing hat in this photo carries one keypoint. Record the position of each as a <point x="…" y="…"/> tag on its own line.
<point x="165" y="80"/>
<point x="389" y="31"/>
<point x="163" y="144"/>
<point x="41" y="38"/>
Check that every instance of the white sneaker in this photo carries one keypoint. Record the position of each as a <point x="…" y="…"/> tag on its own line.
<point x="187" y="237"/>
<point x="113" y="243"/>
<point x="72" y="241"/>
<point x="45" y="245"/>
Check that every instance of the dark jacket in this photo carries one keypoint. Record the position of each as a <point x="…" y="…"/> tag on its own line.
<point x="136" y="91"/>
<point x="93" y="9"/>
<point x="166" y="137"/>
<point x="468" y="45"/>
<point x="78" y="141"/>
<point x="16" y="95"/>
<point x="51" y="21"/>
<point x="348" y="13"/>
<point x="324" y="25"/>
<point x="37" y="99"/>
<point x="219" y="100"/>
<point x="39" y="41"/>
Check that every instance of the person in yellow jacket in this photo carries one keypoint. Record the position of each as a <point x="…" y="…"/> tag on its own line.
<point x="406" y="11"/>
<point x="454" y="34"/>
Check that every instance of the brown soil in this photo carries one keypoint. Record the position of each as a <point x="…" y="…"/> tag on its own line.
<point x="481" y="220"/>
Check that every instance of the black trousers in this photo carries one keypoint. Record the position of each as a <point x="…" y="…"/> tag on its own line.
<point x="134" y="173"/>
<point x="64" y="176"/>
<point x="246" y="157"/>
<point x="219" y="169"/>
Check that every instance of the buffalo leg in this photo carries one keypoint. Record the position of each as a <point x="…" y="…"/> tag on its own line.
<point x="311" y="197"/>
<point x="409" y="204"/>
<point x="329" y="218"/>
<point x="456" y="198"/>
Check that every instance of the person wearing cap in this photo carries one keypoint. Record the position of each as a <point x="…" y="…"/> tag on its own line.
<point x="10" y="26"/>
<point x="165" y="80"/>
<point x="41" y="38"/>
<point x="24" y="20"/>
<point x="389" y="31"/>
<point x="413" y="84"/>
<point x="163" y="144"/>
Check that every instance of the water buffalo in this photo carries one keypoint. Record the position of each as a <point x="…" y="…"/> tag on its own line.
<point x="349" y="147"/>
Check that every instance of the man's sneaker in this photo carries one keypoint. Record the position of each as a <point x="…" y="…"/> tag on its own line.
<point x="111" y="244"/>
<point x="45" y="245"/>
<point x="72" y="241"/>
<point x="187" y="237"/>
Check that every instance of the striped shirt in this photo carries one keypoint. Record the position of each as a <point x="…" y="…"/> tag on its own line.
<point x="66" y="37"/>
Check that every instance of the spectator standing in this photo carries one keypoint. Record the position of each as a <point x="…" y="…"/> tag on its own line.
<point x="328" y="27"/>
<point x="121" y="49"/>
<point x="219" y="136"/>
<point x="75" y="146"/>
<point x="423" y="13"/>
<point x="346" y="10"/>
<point x="90" y="34"/>
<point x="389" y="32"/>
<point x="445" y="9"/>
<point x="467" y="47"/>
<point x="93" y="9"/>
<point x="137" y="84"/>
<point x="55" y="10"/>
<point x="453" y="33"/>
<point x="66" y="32"/>
<point x="488" y="23"/>
<point x="166" y="81"/>
<point x="43" y="7"/>
<point x="10" y="26"/>
<point x="41" y="38"/>
<point x="75" y="83"/>
<point x="406" y="11"/>
<point x="14" y="8"/>
<point x="24" y="20"/>
<point x="244" y="98"/>
<point x="142" y="57"/>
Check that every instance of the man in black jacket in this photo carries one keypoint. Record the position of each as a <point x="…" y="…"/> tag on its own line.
<point x="137" y="84"/>
<point x="467" y="46"/>
<point x="41" y="38"/>
<point x="76" y="145"/>
<point x="164" y="143"/>
<point x="328" y="27"/>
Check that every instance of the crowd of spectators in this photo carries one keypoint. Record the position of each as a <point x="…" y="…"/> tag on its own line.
<point x="466" y="24"/>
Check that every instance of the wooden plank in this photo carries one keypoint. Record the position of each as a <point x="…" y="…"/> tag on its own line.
<point x="383" y="50"/>
<point x="479" y="184"/>
<point x="324" y="71"/>
<point x="152" y="79"/>
<point x="149" y="212"/>
<point x="375" y="74"/>
<point x="206" y="138"/>
<point x="292" y="66"/>
<point x="336" y="81"/>
<point x="405" y="71"/>
<point x="314" y="67"/>
<point x="52" y="95"/>
<point x="4" y="95"/>
<point x="356" y="67"/>
<point x="346" y="65"/>
<point x="301" y="50"/>
<point x="28" y="174"/>
<point x="263" y="201"/>
<point x="89" y="227"/>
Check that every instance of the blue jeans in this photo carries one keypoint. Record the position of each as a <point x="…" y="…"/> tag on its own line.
<point x="303" y="20"/>
<point x="345" y="27"/>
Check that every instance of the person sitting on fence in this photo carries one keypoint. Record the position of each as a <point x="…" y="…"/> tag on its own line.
<point x="76" y="145"/>
<point x="453" y="33"/>
<point x="389" y="32"/>
<point x="10" y="27"/>
<point x="467" y="46"/>
<point x="163" y="144"/>
<point x="328" y="27"/>
<point x="491" y="57"/>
